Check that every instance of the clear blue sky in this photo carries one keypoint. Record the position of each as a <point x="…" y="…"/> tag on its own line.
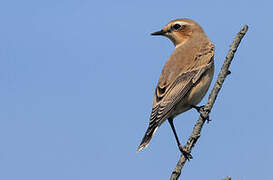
<point x="77" y="81"/>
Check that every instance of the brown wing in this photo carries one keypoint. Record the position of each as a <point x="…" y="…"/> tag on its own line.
<point x="173" y="86"/>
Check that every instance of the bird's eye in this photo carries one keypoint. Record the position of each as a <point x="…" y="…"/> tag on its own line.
<point x="176" y="26"/>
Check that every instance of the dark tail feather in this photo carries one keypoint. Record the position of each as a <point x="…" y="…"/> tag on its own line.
<point x="147" y="137"/>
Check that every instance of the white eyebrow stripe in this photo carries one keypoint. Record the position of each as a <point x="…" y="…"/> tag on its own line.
<point x="183" y="23"/>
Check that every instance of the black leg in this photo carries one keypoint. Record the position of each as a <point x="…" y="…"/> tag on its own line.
<point x="186" y="154"/>
<point x="200" y="109"/>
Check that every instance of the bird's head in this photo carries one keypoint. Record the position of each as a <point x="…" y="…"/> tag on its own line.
<point x="180" y="31"/>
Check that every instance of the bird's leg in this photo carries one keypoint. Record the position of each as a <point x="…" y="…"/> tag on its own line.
<point x="197" y="108"/>
<point x="187" y="155"/>
<point x="200" y="109"/>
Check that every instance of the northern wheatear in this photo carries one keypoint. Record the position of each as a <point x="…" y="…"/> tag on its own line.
<point x="185" y="78"/>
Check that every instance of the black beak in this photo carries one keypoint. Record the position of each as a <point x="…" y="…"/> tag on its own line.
<point x="158" y="33"/>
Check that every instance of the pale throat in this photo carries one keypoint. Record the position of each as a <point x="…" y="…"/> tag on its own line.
<point x="180" y="42"/>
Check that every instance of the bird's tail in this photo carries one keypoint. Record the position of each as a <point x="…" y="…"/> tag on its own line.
<point x="147" y="137"/>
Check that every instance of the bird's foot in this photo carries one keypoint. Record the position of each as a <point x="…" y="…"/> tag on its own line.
<point x="198" y="108"/>
<point x="203" y="114"/>
<point x="187" y="155"/>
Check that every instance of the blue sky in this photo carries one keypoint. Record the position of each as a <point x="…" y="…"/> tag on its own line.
<point x="77" y="81"/>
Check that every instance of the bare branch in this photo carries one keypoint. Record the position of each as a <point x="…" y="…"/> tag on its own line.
<point x="212" y="97"/>
<point x="227" y="178"/>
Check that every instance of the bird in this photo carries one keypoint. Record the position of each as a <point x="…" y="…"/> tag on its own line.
<point x="185" y="77"/>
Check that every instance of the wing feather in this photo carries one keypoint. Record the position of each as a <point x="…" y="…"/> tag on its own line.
<point x="177" y="90"/>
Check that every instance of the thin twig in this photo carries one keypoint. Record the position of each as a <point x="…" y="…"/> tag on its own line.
<point x="227" y="178"/>
<point x="212" y="97"/>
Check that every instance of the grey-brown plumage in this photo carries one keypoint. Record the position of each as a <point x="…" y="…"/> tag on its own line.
<point x="186" y="76"/>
